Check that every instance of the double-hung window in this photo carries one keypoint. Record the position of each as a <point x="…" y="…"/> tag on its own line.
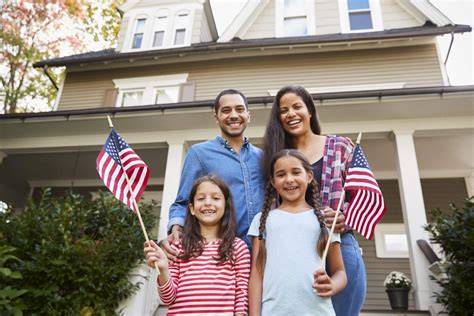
<point x="181" y="25"/>
<point x="138" y="33"/>
<point x="294" y="18"/>
<point x="161" y="23"/>
<point x="360" y="15"/>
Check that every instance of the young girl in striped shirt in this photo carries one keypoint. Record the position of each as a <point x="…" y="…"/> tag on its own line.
<point x="210" y="276"/>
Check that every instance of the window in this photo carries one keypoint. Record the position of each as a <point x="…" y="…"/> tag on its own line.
<point x="160" y="26"/>
<point x="139" y="33"/>
<point x="149" y="90"/>
<point x="391" y="241"/>
<point x="360" y="15"/>
<point x="169" y="94"/>
<point x="180" y="24"/>
<point x="294" y="18"/>
<point x="131" y="98"/>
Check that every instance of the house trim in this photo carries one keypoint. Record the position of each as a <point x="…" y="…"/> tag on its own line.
<point x="440" y="90"/>
<point x="375" y="12"/>
<point x="213" y="47"/>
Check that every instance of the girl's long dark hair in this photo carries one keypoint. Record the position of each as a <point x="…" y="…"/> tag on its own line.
<point x="192" y="239"/>
<point x="276" y="138"/>
<point x="312" y="198"/>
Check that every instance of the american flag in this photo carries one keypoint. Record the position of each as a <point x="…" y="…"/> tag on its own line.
<point x="115" y="158"/>
<point x="367" y="205"/>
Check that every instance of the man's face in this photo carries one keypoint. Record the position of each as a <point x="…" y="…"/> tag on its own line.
<point x="232" y="115"/>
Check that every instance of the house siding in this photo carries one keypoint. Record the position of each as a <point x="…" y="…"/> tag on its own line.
<point x="328" y="20"/>
<point x="395" y="17"/>
<point x="264" y="25"/>
<point x="437" y="193"/>
<point x="256" y="75"/>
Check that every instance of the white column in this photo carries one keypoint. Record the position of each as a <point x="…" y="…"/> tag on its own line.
<point x="470" y="184"/>
<point x="2" y="155"/>
<point x="414" y="216"/>
<point x="174" y="164"/>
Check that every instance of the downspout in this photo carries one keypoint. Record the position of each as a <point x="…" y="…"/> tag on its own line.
<point x="449" y="49"/>
<point x="45" y="70"/>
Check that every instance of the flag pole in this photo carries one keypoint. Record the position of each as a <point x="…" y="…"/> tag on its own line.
<point x="326" y="249"/>
<point x="134" y="202"/>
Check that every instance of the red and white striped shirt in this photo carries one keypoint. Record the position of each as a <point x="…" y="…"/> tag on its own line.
<point x="199" y="286"/>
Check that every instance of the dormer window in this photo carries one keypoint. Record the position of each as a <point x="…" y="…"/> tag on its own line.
<point x="161" y="24"/>
<point x="180" y="24"/>
<point x="360" y="15"/>
<point x="294" y="18"/>
<point x="139" y="33"/>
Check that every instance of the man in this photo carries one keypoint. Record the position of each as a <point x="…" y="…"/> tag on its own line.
<point x="229" y="156"/>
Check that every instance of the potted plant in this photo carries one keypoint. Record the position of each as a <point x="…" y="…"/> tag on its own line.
<point x="397" y="285"/>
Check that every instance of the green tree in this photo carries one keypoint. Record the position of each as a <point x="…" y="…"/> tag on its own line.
<point x="455" y="235"/>
<point x="41" y="29"/>
<point x="76" y="254"/>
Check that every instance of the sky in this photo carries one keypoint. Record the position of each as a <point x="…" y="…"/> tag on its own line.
<point x="461" y="58"/>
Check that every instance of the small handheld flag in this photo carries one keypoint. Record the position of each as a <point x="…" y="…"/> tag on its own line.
<point x="115" y="159"/>
<point x="124" y="173"/>
<point x="367" y="205"/>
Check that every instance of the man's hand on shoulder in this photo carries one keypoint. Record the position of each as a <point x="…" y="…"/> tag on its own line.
<point x="173" y="238"/>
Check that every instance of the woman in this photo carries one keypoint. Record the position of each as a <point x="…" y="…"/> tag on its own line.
<point x="294" y="124"/>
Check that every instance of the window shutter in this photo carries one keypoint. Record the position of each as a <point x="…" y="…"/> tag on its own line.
<point x="110" y="97"/>
<point x="186" y="92"/>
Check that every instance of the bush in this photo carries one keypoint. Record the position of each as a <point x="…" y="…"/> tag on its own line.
<point x="76" y="254"/>
<point x="455" y="235"/>
<point x="10" y="296"/>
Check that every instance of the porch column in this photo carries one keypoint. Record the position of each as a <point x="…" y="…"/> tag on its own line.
<point x="470" y="184"/>
<point x="414" y="215"/>
<point x="2" y="155"/>
<point x="174" y="164"/>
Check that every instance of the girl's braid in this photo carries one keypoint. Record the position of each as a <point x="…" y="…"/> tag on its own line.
<point x="316" y="203"/>
<point x="267" y="204"/>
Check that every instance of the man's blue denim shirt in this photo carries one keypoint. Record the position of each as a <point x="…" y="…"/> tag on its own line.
<point x="241" y="171"/>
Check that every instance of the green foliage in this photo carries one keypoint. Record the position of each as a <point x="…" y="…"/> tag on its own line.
<point x="10" y="296"/>
<point x="76" y="254"/>
<point x="455" y="235"/>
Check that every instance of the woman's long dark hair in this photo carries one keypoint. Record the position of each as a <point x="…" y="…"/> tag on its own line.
<point x="192" y="239"/>
<point x="276" y="138"/>
<point x="312" y="198"/>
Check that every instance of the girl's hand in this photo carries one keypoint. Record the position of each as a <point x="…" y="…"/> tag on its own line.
<point x="323" y="284"/>
<point x="153" y="254"/>
<point x="329" y="215"/>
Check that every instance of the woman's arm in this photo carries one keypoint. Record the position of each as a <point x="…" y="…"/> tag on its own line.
<point x="256" y="282"/>
<point x="328" y="286"/>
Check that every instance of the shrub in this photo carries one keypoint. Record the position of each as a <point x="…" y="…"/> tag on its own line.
<point x="10" y="296"/>
<point x="76" y="254"/>
<point x="455" y="235"/>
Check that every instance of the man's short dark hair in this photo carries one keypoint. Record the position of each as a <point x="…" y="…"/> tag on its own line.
<point x="225" y="92"/>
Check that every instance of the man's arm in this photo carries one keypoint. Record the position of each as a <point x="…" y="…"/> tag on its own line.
<point x="192" y="169"/>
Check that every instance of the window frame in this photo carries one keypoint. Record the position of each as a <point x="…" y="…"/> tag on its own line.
<point x="161" y="14"/>
<point x="375" y="13"/>
<point x="381" y="230"/>
<point x="280" y="17"/>
<point x="148" y="85"/>
<point x="182" y="26"/>
<point x="134" y="31"/>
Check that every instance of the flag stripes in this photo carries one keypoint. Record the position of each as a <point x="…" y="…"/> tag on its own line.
<point x="116" y="162"/>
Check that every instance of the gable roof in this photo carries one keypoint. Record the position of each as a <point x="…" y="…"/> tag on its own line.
<point x="111" y="55"/>
<point x="422" y="10"/>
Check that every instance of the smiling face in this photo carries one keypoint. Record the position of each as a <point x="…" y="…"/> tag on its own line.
<point x="208" y="204"/>
<point x="294" y="115"/>
<point x="232" y="116"/>
<point x="290" y="179"/>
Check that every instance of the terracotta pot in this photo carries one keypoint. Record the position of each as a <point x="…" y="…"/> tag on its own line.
<point x="398" y="298"/>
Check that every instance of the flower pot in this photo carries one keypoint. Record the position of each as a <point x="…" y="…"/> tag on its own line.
<point x="398" y="298"/>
